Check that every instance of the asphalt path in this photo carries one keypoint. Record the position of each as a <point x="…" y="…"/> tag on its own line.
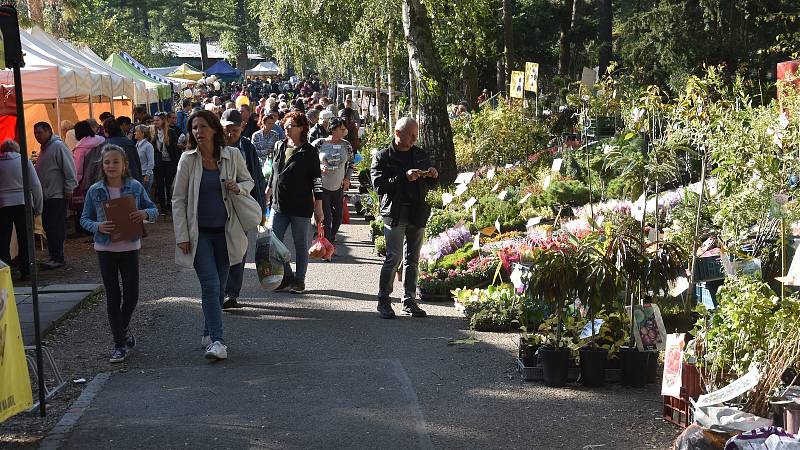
<point x="322" y="370"/>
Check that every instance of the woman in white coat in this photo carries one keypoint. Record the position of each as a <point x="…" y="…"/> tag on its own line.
<point x="207" y="231"/>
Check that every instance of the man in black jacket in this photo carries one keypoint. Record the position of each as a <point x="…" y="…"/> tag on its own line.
<point x="232" y="122"/>
<point x="402" y="174"/>
<point x="116" y="137"/>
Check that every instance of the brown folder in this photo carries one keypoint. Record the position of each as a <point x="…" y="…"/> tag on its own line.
<point x="118" y="211"/>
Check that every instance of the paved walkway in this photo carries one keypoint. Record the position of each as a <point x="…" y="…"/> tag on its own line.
<point x="323" y="371"/>
<point x="55" y="301"/>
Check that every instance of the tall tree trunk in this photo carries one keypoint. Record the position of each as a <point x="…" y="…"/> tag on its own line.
<point x="469" y="73"/>
<point x="35" y="12"/>
<point x="203" y="52"/>
<point x="378" y="106"/>
<point x="508" y="39"/>
<point x="564" y="38"/>
<point x="604" y="24"/>
<point x="435" y="132"/>
<point x="413" y="102"/>
<point x="390" y="76"/>
<point x="501" y="76"/>
<point x="242" y="61"/>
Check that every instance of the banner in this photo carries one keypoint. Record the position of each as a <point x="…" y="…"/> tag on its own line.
<point x="15" y="384"/>
<point x="517" y="84"/>
<point x="532" y="77"/>
<point x="672" y="379"/>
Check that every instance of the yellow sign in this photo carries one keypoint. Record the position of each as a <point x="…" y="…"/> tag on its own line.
<point x="532" y="77"/>
<point x="15" y="386"/>
<point x="517" y="84"/>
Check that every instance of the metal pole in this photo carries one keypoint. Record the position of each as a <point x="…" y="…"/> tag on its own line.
<point x="26" y="183"/>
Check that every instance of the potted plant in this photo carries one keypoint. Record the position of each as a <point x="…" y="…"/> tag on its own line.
<point x="552" y="279"/>
<point x="599" y="287"/>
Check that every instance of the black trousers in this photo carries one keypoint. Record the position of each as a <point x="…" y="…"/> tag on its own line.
<point x="11" y="217"/>
<point x="332" y="207"/>
<point x="54" y="222"/>
<point x="120" y="305"/>
<point x="164" y="173"/>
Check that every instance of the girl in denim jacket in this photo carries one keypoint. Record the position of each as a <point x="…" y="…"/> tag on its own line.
<point x="117" y="258"/>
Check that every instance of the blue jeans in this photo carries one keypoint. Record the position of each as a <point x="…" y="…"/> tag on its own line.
<point x="235" y="278"/>
<point x="211" y="265"/>
<point x="395" y="235"/>
<point x="300" y="232"/>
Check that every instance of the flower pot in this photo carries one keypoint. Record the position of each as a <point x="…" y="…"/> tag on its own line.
<point x="634" y="366"/>
<point x="527" y="353"/>
<point x="555" y="366"/>
<point x="652" y="367"/>
<point x="593" y="366"/>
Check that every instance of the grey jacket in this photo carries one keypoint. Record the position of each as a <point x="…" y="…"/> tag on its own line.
<point x="56" y="169"/>
<point x="11" y="190"/>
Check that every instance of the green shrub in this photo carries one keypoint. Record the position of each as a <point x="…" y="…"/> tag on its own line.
<point x="441" y="220"/>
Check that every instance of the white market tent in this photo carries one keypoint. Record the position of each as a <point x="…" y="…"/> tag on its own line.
<point x="61" y="82"/>
<point x="265" y="68"/>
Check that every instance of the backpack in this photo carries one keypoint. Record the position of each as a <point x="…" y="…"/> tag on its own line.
<point x="91" y="173"/>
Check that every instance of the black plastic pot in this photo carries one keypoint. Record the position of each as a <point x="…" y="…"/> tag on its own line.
<point x="593" y="366"/>
<point x="555" y="366"/>
<point x="527" y="353"/>
<point x="652" y="367"/>
<point x="634" y="366"/>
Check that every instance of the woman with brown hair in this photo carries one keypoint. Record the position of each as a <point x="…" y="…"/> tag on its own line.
<point x="295" y="189"/>
<point x="165" y="146"/>
<point x="208" y="233"/>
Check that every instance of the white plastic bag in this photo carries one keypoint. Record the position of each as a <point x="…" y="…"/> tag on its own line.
<point x="271" y="255"/>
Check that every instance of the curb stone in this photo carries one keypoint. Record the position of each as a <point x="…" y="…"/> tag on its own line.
<point x="55" y="438"/>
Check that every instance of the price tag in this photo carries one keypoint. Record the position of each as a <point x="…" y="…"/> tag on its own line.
<point x="468" y="204"/>
<point x="497" y="225"/>
<point x="533" y="221"/>
<point x="502" y="195"/>
<point x="490" y="174"/>
<point x="476" y="243"/>
<point x="557" y="165"/>
<point x="524" y="199"/>
<point x="475" y="216"/>
<point x="547" y="180"/>
<point x="496" y="187"/>
<point x="447" y="198"/>
<point x="460" y="189"/>
<point x="508" y="166"/>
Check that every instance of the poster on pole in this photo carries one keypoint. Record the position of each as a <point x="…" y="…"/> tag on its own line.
<point x="517" y="84"/>
<point x="532" y="77"/>
<point x="15" y="384"/>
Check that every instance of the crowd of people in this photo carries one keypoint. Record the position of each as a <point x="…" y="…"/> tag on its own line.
<point x="212" y="166"/>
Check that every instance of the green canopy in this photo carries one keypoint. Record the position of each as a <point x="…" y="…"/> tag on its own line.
<point x="122" y="66"/>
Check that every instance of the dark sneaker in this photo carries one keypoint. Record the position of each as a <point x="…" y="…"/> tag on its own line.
<point x="130" y="341"/>
<point x="385" y="310"/>
<point x="231" y="303"/>
<point x="285" y="284"/>
<point x="118" y="355"/>
<point x="413" y="310"/>
<point x="298" y="287"/>
<point x="52" y="265"/>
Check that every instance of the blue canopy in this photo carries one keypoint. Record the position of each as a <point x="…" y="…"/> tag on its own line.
<point x="222" y="69"/>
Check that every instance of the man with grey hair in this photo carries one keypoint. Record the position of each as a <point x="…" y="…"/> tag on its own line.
<point x="402" y="173"/>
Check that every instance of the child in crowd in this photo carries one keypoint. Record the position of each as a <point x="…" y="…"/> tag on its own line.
<point x="117" y="258"/>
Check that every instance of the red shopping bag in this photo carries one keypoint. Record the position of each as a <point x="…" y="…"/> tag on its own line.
<point x="345" y="211"/>
<point x="322" y="247"/>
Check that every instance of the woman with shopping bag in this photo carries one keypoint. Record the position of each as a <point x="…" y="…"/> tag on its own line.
<point x="294" y="194"/>
<point x="212" y="208"/>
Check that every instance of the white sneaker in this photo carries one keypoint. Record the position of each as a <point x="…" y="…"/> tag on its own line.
<point x="217" y="350"/>
<point x="205" y="342"/>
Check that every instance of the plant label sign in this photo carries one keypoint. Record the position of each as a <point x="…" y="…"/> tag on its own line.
<point x="672" y="382"/>
<point x="469" y="203"/>
<point x="447" y="198"/>
<point x="474" y="215"/>
<point x="648" y="327"/>
<point x="476" y="243"/>
<point x="497" y="225"/>
<point x="556" y="167"/>
<point x="502" y="195"/>
<point x="464" y="178"/>
<point x="490" y="174"/>
<point x="586" y="332"/>
<point x="547" y="180"/>
<point x="496" y="187"/>
<point x="460" y="190"/>
<point x="524" y="199"/>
